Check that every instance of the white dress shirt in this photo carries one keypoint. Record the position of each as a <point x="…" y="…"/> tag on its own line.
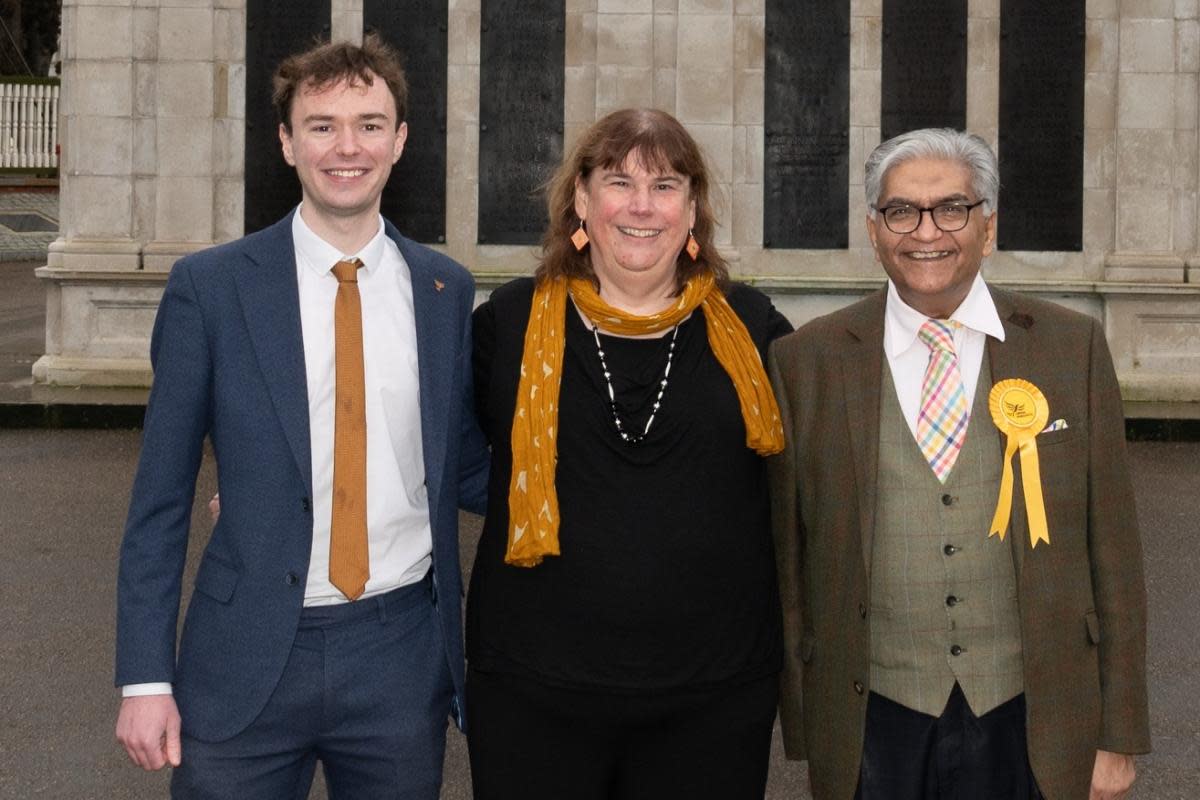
<point x="399" y="536"/>
<point x="908" y="356"/>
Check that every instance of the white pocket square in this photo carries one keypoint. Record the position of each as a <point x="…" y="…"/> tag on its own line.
<point x="1057" y="425"/>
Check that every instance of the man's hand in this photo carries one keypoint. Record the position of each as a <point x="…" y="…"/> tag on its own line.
<point x="148" y="727"/>
<point x="214" y="507"/>
<point x="1112" y="776"/>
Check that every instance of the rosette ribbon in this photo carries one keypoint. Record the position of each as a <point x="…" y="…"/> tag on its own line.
<point x="1020" y="411"/>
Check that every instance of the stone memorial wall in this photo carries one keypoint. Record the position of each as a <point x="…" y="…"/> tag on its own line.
<point x="169" y="144"/>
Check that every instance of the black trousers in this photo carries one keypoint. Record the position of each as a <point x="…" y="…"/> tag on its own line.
<point x="531" y="741"/>
<point x="908" y="755"/>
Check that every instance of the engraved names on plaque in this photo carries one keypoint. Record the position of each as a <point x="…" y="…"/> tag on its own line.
<point x="807" y="123"/>
<point x="274" y="30"/>
<point x="415" y="196"/>
<point x="522" y="52"/>
<point x="924" y="67"/>
<point x="1041" y="125"/>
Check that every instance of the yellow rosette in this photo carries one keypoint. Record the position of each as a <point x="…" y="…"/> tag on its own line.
<point x="1020" y="410"/>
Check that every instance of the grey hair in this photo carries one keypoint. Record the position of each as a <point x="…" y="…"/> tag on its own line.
<point x="943" y="143"/>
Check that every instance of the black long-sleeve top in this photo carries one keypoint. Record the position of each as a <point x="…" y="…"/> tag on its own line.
<point x="666" y="577"/>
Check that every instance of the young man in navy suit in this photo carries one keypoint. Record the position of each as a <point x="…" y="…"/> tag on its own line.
<point x="283" y="661"/>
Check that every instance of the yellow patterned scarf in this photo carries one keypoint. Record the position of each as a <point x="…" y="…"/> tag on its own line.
<point x="532" y="499"/>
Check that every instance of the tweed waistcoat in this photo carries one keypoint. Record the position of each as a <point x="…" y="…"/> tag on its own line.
<point x="943" y="594"/>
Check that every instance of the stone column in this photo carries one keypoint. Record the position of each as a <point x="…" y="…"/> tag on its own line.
<point x="1100" y="133"/>
<point x="1186" y="181"/>
<point x="180" y="97"/>
<point x="1147" y="95"/>
<point x="153" y="133"/>
<point x="746" y="181"/>
<point x="462" y="129"/>
<point x="96" y="294"/>
<point x="866" y="82"/>
<point x="346" y="23"/>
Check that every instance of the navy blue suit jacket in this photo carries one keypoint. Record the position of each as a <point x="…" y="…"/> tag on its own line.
<point x="228" y="361"/>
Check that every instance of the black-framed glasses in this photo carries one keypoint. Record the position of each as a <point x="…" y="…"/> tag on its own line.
<point x="948" y="217"/>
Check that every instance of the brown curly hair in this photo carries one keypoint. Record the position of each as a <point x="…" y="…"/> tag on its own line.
<point x="660" y="143"/>
<point x="331" y="62"/>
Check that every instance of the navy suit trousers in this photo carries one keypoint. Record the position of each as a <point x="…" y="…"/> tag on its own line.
<point x="366" y="691"/>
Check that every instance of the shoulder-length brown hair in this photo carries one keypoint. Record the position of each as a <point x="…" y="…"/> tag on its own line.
<point x="660" y="143"/>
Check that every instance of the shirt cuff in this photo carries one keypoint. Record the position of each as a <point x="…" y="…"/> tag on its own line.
<point x="143" y="689"/>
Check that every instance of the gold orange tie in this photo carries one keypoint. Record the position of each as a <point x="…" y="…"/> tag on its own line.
<point x="348" y="560"/>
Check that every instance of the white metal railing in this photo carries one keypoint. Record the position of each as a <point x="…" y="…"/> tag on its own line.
<point x="28" y="124"/>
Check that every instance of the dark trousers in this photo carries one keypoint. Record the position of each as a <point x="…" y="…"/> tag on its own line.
<point x="530" y="741"/>
<point x="908" y="755"/>
<point x="366" y="691"/>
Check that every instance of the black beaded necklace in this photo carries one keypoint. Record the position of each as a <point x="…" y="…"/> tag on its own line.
<point x="627" y="436"/>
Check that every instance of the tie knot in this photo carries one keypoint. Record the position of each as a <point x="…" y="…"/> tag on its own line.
<point x="347" y="271"/>
<point x="938" y="334"/>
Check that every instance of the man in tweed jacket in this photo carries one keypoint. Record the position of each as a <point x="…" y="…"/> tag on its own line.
<point x="925" y="659"/>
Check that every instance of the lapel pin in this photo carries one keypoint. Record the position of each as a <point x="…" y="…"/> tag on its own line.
<point x="438" y="285"/>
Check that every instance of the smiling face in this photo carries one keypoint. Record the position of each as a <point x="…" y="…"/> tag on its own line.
<point x="343" y="143"/>
<point x="637" y="218"/>
<point x="932" y="270"/>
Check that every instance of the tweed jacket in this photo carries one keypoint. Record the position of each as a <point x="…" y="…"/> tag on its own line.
<point x="1082" y="597"/>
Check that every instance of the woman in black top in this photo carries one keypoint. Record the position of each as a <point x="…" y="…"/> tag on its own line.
<point x="623" y="630"/>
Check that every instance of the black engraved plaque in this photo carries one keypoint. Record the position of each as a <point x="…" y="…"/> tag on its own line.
<point x="521" y="60"/>
<point x="274" y="30"/>
<point x="807" y="125"/>
<point x="924" y="68"/>
<point x="415" y="196"/>
<point x="1041" y="125"/>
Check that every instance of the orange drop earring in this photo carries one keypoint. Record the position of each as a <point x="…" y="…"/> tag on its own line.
<point x="692" y="247"/>
<point x="580" y="238"/>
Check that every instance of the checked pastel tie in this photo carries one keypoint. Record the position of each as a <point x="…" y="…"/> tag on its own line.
<point x="942" y="422"/>
<point x="348" y="564"/>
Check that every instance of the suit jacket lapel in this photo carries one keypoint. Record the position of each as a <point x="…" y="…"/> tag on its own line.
<point x="437" y="340"/>
<point x="862" y="369"/>
<point x="1007" y="359"/>
<point x="270" y="297"/>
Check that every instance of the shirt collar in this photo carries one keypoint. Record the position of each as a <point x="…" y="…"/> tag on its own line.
<point x="977" y="312"/>
<point x="320" y="256"/>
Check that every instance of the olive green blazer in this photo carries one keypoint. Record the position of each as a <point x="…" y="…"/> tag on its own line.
<point x="1082" y="597"/>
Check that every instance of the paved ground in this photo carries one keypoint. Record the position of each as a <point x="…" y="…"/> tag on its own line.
<point x="24" y="217"/>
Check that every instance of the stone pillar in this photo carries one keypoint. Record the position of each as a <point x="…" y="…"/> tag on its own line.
<point x="1100" y="133"/>
<point x="1147" y="95"/>
<point x="1186" y="178"/>
<point x="347" y="20"/>
<point x="229" y="112"/>
<point x="462" y="129"/>
<point x="866" y="75"/>
<point x="185" y="106"/>
<point x="97" y="294"/>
